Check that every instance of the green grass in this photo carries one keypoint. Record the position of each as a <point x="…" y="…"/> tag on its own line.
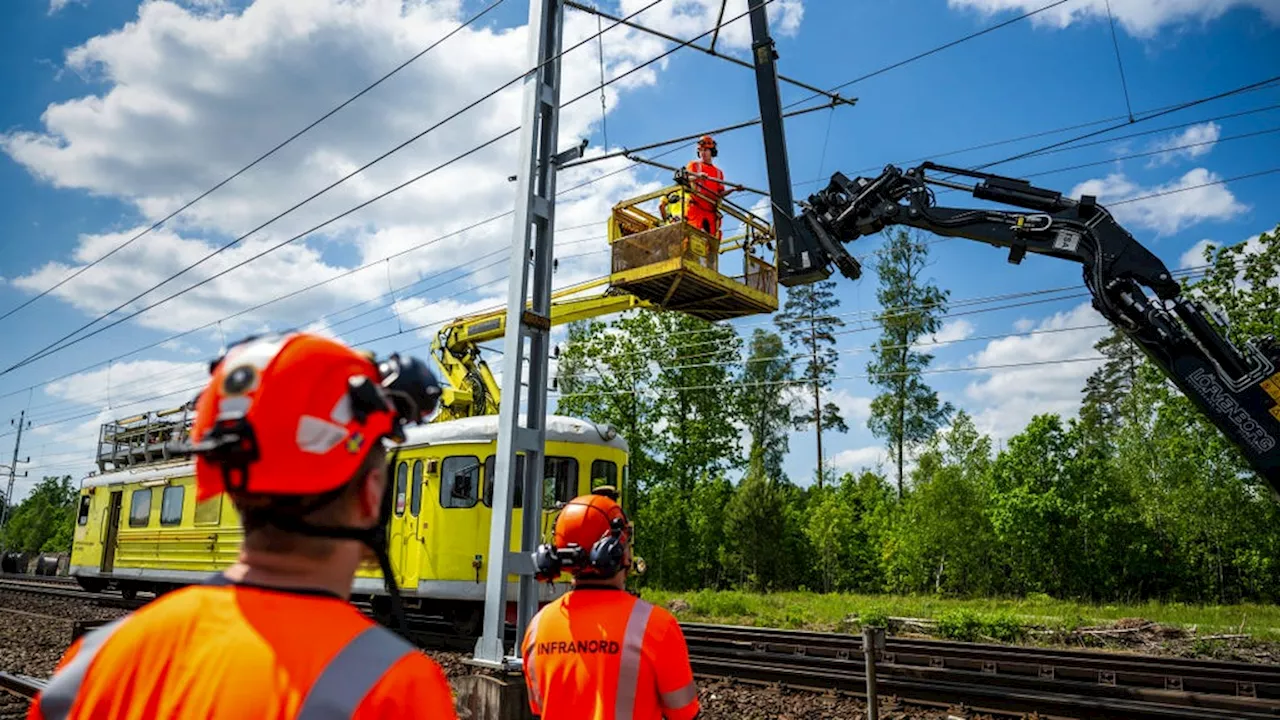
<point x="970" y="619"/>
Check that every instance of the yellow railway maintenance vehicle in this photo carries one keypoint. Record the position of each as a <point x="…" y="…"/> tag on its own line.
<point x="139" y="528"/>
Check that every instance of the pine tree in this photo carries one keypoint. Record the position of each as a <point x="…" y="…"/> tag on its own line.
<point x="907" y="411"/>
<point x="1107" y="392"/>
<point x="767" y="407"/>
<point x="809" y="326"/>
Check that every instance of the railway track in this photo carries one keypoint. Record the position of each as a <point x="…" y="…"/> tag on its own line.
<point x="55" y="587"/>
<point x="997" y="679"/>
<point x="992" y="678"/>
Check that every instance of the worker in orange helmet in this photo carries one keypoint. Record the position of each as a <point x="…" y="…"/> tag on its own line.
<point x="598" y="651"/>
<point x="291" y="427"/>
<point x="703" y="207"/>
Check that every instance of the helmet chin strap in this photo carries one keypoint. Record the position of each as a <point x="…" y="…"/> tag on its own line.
<point x="375" y="538"/>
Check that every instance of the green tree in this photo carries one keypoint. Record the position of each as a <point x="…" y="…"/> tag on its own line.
<point x="907" y="411"/>
<point x="942" y="540"/>
<point x="44" y="521"/>
<point x="755" y="520"/>
<point x="605" y="374"/>
<point x="766" y="407"/>
<point x="1107" y="391"/>
<point x="698" y="402"/>
<point x="809" y="325"/>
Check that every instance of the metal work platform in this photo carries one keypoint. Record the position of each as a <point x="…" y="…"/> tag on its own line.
<point x="144" y="439"/>
<point x="675" y="266"/>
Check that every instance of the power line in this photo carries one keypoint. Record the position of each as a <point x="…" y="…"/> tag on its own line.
<point x="55" y="346"/>
<point x="1119" y="63"/>
<point x="321" y="283"/>
<point x="835" y="98"/>
<point x="806" y="381"/>
<point x="1055" y="131"/>
<point x="1180" y="106"/>
<point x="260" y="158"/>
<point x="932" y="51"/>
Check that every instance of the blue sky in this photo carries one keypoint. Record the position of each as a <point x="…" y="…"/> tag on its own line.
<point x="113" y="115"/>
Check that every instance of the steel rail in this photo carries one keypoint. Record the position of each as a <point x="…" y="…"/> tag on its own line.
<point x="21" y="685"/>
<point x="997" y="677"/>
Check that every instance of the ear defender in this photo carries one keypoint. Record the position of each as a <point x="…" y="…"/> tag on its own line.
<point x="606" y="555"/>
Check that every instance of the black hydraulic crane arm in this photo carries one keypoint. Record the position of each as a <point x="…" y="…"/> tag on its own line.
<point x="1238" y="390"/>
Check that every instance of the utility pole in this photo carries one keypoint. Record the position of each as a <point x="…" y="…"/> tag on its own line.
<point x="13" y="475"/>
<point x="531" y="243"/>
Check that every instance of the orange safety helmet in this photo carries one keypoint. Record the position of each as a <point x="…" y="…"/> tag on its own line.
<point x="707" y="141"/>
<point x="591" y="538"/>
<point x="302" y="411"/>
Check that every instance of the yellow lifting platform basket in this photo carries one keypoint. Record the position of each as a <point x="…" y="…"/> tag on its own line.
<point x="675" y="266"/>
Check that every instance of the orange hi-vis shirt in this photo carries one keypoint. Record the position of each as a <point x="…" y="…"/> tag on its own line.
<point x="711" y="186"/>
<point x="599" y="653"/>
<point x="224" y="650"/>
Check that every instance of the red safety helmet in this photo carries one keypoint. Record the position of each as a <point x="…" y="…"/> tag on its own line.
<point x="707" y="141"/>
<point x="297" y="414"/>
<point x="591" y="538"/>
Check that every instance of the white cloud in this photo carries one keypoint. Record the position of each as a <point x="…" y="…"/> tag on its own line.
<point x="859" y="458"/>
<point x="950" y="332"/>
<point x="1173" y="208"/>
<point x="56" y="5"/>
<point x="1201" y="139"/>
<point x="1195" y="256"/>
<point x="1141" y="18"/>
<point x="1007" y="398"/>
<point x="191" y="95"/>
<point x="853" y="408"/>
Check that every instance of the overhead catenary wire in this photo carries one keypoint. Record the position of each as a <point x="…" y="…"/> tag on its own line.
<point x="156" y="225"/>
<point x="313" y="286"/>
<point x="1149" y="116"/>
<point x="806" y="381"/>
<point x="835" y="98"/>
<point x="56" y="345"/>
<point x="333" y="327"/>
<point x="587" y="182"/>
<point x="933" y="51"/>
<point x="1115" y="42"/>
<point x="414" y="329"/>
<point x="1066" y="128"/>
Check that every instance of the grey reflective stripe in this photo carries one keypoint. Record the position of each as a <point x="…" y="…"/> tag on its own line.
<point x="677" y="699"/>
<point x="532" y="634"/>
<point x="60" y="694"/>
<point x="352" y="673"/>
<point x="629" y="664"/>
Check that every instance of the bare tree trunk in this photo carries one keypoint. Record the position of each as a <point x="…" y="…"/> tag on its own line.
<point x="817" y="397"/>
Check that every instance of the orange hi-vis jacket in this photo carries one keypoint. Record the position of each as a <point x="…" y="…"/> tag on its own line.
<point x="224" y="650"/>
<point x="712" y="186"/>
<point x="600" y="653"/>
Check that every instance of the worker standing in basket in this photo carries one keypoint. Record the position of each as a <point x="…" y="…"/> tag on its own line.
<point x="291" y="427"/>
<point x="703" y="206"/>
<point x="598" y="651"/>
